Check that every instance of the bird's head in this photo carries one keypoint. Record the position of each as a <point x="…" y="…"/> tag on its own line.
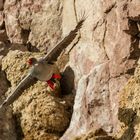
<point x="32" y="61"/>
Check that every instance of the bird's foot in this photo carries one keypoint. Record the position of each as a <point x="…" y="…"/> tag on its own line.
<point x="51" y="84"/>
<point x="54" y="88"/>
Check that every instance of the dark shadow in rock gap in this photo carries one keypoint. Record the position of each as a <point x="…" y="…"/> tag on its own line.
<point x="32" y="48"/>
<point x="25" y="35"/>
<point x="3" y="73"/>
<point x="129" y="117"/>
<point x="134" y="48"/>
<point x="67" y="81"/>
<point x="3" y="26"/>
<point x="19" y="132"/>
<point x="68" y="89"/>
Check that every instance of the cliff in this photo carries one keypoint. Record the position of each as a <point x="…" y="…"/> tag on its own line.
<point x="100" y="85"/>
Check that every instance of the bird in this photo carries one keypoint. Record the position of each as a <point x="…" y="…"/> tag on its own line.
<point x="44" y="71"/>
<point x="44" y="68"/>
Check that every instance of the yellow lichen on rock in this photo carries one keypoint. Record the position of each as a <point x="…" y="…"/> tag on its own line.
<point x="15" y="65"/>
<point x="129" y="108"/>
<point x="37" y="112"/>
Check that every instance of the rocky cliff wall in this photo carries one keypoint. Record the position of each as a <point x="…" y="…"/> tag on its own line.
<point x="97" y="67"/>
<point x="102" y="61"/>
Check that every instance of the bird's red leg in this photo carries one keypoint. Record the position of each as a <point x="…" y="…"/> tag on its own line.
<point x="51" y="84"/>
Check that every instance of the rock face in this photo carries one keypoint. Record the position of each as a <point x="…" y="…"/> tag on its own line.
<point x="99" y="134"/>
<point x="7" y="127"/>
<point x="35" y="21"/>
<point x="102" y="61"/>
<point x="99" y="65"/>
<point x="128" y="112"/>
<point x="41" y="116"/>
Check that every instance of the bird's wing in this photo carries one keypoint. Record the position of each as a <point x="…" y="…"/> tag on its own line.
<point x="24" y="84"/>
<point x="53" y="54"/>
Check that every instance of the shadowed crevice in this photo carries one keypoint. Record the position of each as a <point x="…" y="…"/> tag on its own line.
<point x="134" y="48"/>
<point x="25" y="35"/>
<point x="67" y="81"/>
<point x="129" y="117"/>
<point x="18" y="128"/>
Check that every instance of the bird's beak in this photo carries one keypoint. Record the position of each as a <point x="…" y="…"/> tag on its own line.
<point x="29" y="62"/>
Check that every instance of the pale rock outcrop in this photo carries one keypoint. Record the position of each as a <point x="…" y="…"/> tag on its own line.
<point x="39" y="115"/>
<point x="134" y="14"/>
<point x="1" y="4"/>
<point x="128" y="113"/>
<point x="1" y="19"/>
<point x="36" y="21"/>
<point x="100" y="64"/>
<point x="102" y="61"/>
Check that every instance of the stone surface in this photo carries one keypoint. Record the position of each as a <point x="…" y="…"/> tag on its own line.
<point x="1" y="4"/>
<point x="3" y="35"/>
<point x="99" y="134"/>
<point x="1" y="19"/>
<point x="103" y="60"/>
<point x="3" y="49"/>
<point x="128" y="113"/>
<point x="38" y="114"/>
<point x="134" y="14"/>
<point x="36" y="21"/>
<point x="99" y="66"/>
<point x="7" y="127"/>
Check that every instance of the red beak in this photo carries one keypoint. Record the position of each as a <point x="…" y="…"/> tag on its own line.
<point x="29" y="62"/>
